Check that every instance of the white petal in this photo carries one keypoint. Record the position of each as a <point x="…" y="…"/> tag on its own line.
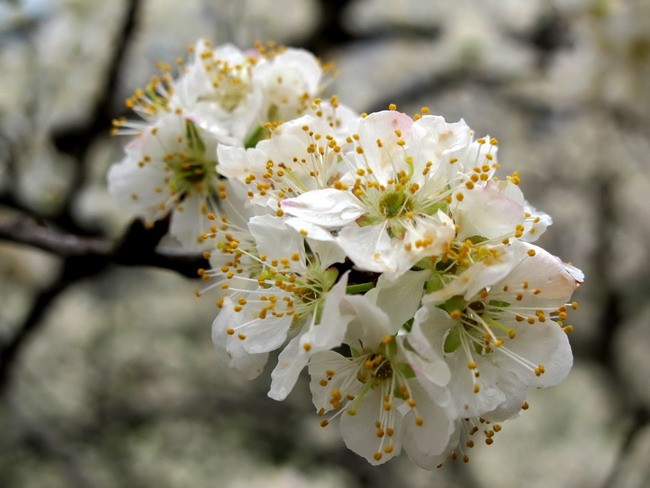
<point x="360" y="433"/>
<point x="274" y="238"/>
<point x="322" y="363"/>
<point x="189" y="220"/>
<point x="399" y="299"/>
<point x="427" y="444"/>
<point x="369" y="248"/>
<point x="370" y="325"/>
<point x="328" y="208"/>
<point x="543" y="343"/>
<point x="264" y="335"/>
<point x="326" y="335"/>
<point x="541" y="271"/>
<point x="232" y="352"/>
<point x="134" y="187"/>
<point x="536" y="224"/>
<point x="388" y="159"/>
<point x="438" y="230"/>
<point x="492" y="211"/>
<point x="291" y="361"/>
<point x="490" y="395"/>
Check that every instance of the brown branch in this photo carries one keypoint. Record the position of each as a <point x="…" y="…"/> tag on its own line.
<point x="83" y="258"/>
<point x="24" y="230"/>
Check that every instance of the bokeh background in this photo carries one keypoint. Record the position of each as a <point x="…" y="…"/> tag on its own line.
<point x="107" y="373"/>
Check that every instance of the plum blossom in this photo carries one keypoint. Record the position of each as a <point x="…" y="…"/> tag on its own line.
<point x="503" y="338"/>
<point x="222" y="96"/>
<point x="382" y="252"/>
<point x="390" y="207"/>
<point x="169" y="168"/>
<point x="279" y="289"/>
<point x="383" y="396"/>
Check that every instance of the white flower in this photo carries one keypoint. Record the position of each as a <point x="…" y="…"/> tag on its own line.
<point x="169" y="167"/>
<point x="279" y="287"/>
<point x="289" y="80"/>
<point x="301" y="155"/>
<point x="392" y="397"/>
<point x="401" y="176"/>
<point x="218" y="92"/>
<point x="504" y="338"/>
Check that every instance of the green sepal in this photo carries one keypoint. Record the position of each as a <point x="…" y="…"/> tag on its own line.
<point x="498" y="304"/>
<point x="477" y="239"/>
<point x="255" y="137"/>
<point x="434" y="207"/>
<point x="434" y="283"/>
<point x="452" y="341"/>
<point x="406" y="370"/>
<point x="455" y="303"/>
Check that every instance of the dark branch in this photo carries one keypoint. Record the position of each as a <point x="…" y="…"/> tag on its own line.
<point x="137" y="248"/>
<point x="84" y="258"/>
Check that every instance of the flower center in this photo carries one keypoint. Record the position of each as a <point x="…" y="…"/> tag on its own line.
<point x="190" y="167"/>
<point x="394" y="204"/>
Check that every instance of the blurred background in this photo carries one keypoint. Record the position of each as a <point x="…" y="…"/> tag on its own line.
<point x="107" y="374"/>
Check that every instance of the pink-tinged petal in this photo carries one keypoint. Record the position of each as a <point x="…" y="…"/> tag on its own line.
<point x="328" y="208"/>
<point x="359" y="431"/>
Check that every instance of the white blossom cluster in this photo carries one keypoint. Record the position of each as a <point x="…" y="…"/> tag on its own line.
<point x="380" y="251"/>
